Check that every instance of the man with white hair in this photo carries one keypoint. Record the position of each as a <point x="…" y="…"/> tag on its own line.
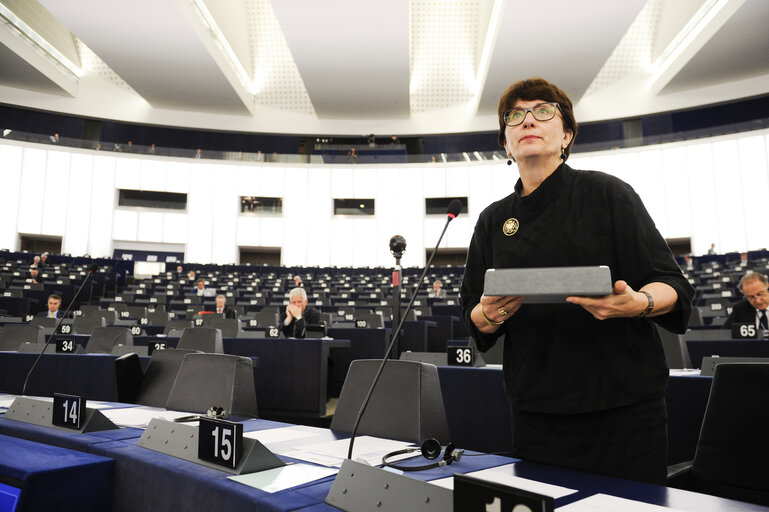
<point x="298" y="316"/>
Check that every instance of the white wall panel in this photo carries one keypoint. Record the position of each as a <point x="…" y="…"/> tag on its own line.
<point x="755" y="190"/>
<point x="152" y="175"/>
<point x="55" y="193"/>
<point x="200" y="208"/>
<point x="702" y="196"/>
<point x="175" y="228"/>
<point x="30" y="216"/>
<point x="677" y="204"/>
<point x="10" y="173"/>
<point x="128" y="172"/>
<point x="710" y="190"/>
<point x="226" y="207"/>
<point x="177" y="177"/>
<point x="320" y="210"/>
<point x="78" y="212"/>
<point x="125" y="225"/>
<point x="729" y="200"/>
<point x="103" y="203"/>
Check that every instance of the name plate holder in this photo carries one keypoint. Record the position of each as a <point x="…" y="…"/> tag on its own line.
<point x="363" y="488"/>
<point x="181" y="441"/>
<point x="40" y="412"/>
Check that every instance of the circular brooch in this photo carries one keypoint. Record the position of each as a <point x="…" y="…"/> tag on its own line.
<point x="510" y="227"/>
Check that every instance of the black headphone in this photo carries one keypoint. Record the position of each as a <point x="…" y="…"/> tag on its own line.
<point x="430" y="449"/>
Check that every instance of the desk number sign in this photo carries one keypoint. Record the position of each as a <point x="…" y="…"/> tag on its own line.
<point x="155" y="345"/>
<point x="744" y="330"/>
<point x="68" y="411"/>
<point x="460" y="356"/>
<point x="220" y="442"/>
<point x="65" y="346"/>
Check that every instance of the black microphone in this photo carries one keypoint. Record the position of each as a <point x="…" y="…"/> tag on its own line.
<point x="91" y="270"/>
<point x="455" y="206"/>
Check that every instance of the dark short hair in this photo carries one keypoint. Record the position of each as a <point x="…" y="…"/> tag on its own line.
<point x="55" y="297"/>
<point x="537" y="89"/>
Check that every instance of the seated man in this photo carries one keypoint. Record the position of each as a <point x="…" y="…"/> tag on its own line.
<point x="222" y="309"/>
<point x="753" y="308"/>
<point x="202" y="291"/>
<point x="298" y="316"/>
<point x="437" y="292"/>
<point x="54" y="302"/>
<point x="34" y="276"/>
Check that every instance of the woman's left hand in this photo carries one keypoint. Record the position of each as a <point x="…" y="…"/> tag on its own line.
<point x="623" y="302"/>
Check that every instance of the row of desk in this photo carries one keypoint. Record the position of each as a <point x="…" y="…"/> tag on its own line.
<point x="290" y="377"/>
<point x="142" y="479"/>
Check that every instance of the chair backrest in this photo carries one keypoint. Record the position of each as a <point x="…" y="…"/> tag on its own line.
<point x="178" y="325"/>
<point x="204" y="339"/>
<point x="214" y="380"/>
<point x="86" y="324"/>
<point x="44" y="322"/>
<point x="265" y="319"/>
<point x="14" y="335"/>
<point x="159" y="378"/>
<point x="708" y="334"/>
<point x="676" y="353"/>
<point x="372" y="319"/>
<point x="407" y="403"/>
<point x="104" y="338"/>
<point x="230" y="327"/>
<point x="732" y="451"/>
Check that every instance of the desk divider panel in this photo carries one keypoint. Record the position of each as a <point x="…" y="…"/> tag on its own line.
<point x="181" y="441"/>
<point x="39" y="412"/>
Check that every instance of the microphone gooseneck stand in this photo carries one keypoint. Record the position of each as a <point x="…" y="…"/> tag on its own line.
<point x="453" y="210"/>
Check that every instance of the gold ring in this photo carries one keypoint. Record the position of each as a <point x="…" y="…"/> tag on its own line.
<point x="502" y="312"/>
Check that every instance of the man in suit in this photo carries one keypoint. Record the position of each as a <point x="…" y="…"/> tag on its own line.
<point x="222" y="309"/>
<point x="298" y="316"/>
<point x="437" y="292"/>
<point x="54" y="302"/>
<point x="753" y="309"/>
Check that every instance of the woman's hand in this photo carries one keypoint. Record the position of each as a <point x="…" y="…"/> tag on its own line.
<point x="623" y="302"/>
<point x="491" y="312"/>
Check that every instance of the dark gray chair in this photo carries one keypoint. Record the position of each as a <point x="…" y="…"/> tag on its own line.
<point x="407" y="403"/>
<point x="86" y="324"/>
<point x="203" y="339"/>
<point x="103" y="339"/>
<point x="178" y="325"/>
<point x="731" y="455"/>
<point x="14" y="335"/>
<point x="230" y="327"/>
<point x="676" y="352"/>
<point x="159" y="378"/>
<point x="214" y="380"/>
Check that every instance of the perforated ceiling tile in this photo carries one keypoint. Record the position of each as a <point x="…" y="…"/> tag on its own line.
<point x="634" y="50"/>
<point x="90" y="62"/>
<point x="279" y="84"/>
<point x="444" y="53"/>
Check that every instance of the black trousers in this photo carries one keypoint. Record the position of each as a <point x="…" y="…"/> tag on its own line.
<point x="626" y="442"/>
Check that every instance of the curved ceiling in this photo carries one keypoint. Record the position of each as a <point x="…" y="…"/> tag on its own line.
<point x="363" y="66"/>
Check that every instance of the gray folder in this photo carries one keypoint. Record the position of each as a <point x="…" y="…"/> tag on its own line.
<point x="548" y="285"/>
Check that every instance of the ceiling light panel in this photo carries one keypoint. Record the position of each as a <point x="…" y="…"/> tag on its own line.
<point x="277" y="81"/>
<point x="444" y="53"/>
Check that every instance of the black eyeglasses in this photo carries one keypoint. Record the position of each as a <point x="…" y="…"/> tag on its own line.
<point x="541" y="112"/>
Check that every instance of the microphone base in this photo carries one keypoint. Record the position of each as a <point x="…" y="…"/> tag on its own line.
<point x="363" y="488"/>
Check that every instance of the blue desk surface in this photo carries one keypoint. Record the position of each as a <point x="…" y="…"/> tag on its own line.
<point x="147" y="480"/>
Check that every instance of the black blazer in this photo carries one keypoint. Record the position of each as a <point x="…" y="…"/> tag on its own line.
<point x="297" y="328"/>
<point x="227" y="312"/>
<point x="742" y="313"/>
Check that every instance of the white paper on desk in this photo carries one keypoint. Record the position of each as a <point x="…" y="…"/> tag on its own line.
<point x="504" y="475"/>
<point x="6" y="401"/>
<point x="279" y="435"/>
<point x="278" y="479"/>
<point x="606" y="503"/>
<point x="333" y="453"/>
<point x="685" y="372"/>
<point x="140" y="417"/>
